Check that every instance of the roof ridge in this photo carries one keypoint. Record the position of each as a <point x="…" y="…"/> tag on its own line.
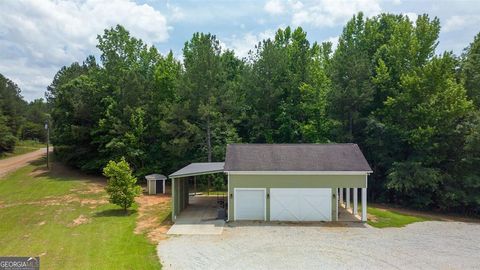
<point x="292" y="144"/>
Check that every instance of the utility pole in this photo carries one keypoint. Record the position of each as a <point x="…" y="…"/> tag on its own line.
<point x="48" y="140"/>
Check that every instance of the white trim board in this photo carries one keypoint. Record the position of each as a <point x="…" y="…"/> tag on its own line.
<point x="300" y="172"/>
<point x="194" y="174"/>
<point x="228" y="198"/>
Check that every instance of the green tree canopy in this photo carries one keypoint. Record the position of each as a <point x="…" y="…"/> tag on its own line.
<point x="413" y="111"/>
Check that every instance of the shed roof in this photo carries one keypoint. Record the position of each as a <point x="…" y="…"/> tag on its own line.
<point x="198" y="169"/>
<point x="295" y="157"/>
<point x="155" y="176"/>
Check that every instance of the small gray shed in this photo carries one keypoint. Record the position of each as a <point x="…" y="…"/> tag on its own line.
<point x="156" y="183"/>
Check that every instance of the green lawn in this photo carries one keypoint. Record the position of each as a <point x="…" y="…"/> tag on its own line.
<point x="23" y="147"/>
<point x="64" y="218"/>
<point x="382" y="218"/>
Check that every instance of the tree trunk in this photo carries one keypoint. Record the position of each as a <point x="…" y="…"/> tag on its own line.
<point x="350" y="125"/>
<point x="209" y="151"/>
<point x="208" y="185"/>
<point x="209" y="141"/>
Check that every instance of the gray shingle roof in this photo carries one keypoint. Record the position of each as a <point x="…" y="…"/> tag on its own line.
<point x="295" y="157"/>
<point x="198" y="169"/>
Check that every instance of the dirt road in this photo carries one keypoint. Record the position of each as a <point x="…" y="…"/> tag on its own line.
<point x="13" y="163"/>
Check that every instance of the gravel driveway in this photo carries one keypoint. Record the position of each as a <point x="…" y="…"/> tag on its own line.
<point x="424" y="245"/>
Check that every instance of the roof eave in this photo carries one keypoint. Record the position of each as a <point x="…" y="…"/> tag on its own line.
<point x="300" y="172"/>
<point x="172" y="176"/>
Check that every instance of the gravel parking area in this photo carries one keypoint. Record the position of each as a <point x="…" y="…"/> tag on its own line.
<point x="424" y="245"/>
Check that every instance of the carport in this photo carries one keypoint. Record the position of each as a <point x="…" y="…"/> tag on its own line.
<point x="180" y="178"/>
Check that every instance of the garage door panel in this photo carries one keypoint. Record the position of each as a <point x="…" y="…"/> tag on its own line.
<point x="316" y="208"/>
<point x="300" y="204"/>
<point x="250" y="204"/>
<point x="283" y="206"/>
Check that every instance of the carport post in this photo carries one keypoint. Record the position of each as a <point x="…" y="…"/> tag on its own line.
<point x="173" y="199"/>
<point x="355" y="201"/>
<point x="336" y="210"/>
<point x="348" y="198"/>
<point x="341" y="196"/>
<point x="364" y="204"/>
<point x="195" y="185"/>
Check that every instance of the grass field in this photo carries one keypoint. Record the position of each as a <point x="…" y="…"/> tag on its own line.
<point x="382" y="218"/>
<point x="65" y="218"/>
<point x="23" y="147"/>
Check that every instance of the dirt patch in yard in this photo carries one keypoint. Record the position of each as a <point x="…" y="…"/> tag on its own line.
<point x="90" y="188"/>
<point x="372" y="218"/>
<point x="153" y="217"/>
<point x="82" y="219"/>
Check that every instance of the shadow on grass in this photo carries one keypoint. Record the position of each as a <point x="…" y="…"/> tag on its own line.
<point x="115" y="213"/>
<point x="41" y="162"/>
<point x="61" y="172"/>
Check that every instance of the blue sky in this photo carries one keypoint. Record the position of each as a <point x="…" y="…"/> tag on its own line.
<point x="38" y="37"/>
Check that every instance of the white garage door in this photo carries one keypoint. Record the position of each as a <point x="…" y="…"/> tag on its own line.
<point x="301" y="204"/>
<point x="249" y="204"/>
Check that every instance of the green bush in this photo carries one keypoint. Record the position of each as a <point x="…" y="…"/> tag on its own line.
<point x="7" y="142"/>
<point x="121" y="185"/>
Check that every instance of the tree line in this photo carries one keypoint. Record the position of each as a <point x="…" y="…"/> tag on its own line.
<point x="19" y="119"/>
<point x="414" y="113"/>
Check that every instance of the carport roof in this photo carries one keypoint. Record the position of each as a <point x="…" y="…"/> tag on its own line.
<point x="198" y="169"/>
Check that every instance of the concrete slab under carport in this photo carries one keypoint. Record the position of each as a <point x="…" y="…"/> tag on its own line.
<point x="199" y="218"/>
<point x="346" y="215"/>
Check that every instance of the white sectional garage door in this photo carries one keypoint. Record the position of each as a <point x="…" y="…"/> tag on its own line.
<point x="301" y="204"/>
<point x="249" y="204"/>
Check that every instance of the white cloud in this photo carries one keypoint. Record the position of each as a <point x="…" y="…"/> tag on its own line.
<point x="296" y="5"/>
<point x="333" y="12"/>
<point x="274" y="7"/>
<point x="411" y="16"/>
<point x="37" y="37"/>
<point x="334" y="41"/>
<point x="243" y="44"/>
<point x="458" y="22"/>
<point x="175" y="13"/>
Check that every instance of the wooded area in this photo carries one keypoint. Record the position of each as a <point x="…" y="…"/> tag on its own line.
<point x="414" y="113"/>
<point x="19" y="120"/>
